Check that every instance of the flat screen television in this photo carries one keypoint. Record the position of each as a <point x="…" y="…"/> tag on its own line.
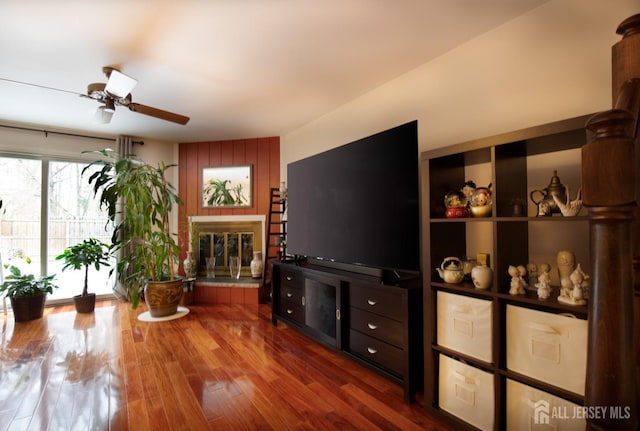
<point x="358" y="204"/>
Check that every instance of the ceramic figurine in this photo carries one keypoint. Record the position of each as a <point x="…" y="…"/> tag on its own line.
<point x="522" y="272"/>
<point x="516" y="281"/>
<point x="572" y="288"/>
<point x="532" y="270"/>
<point x="467" y="191"/>
<point x="569" y="208"/>
<point x="544" y="281"/>
<point x="566" y="264"/>
<point x="572" y="293"/>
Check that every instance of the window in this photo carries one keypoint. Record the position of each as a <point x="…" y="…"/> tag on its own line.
<point x="42" y="231"/>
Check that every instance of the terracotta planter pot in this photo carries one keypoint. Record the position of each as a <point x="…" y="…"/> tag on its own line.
<point x="27" y="308"/>
<point x="85" y="304"/>
<point x="163" y="297"/>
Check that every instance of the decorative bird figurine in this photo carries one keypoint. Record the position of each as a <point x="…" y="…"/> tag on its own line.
<point x="570" y="208"/>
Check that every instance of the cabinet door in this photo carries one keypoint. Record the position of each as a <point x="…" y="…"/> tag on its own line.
<point x="322" y="304"/>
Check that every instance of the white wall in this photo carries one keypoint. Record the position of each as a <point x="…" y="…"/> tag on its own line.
<point x="547" y="65"/>
<point x="71" y="147"/>
<point x="53" y="144"/>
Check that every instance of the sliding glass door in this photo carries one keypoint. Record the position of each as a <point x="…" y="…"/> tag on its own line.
<point x="49" y="206"/>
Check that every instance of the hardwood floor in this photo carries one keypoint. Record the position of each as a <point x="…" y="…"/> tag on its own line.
<point x="222" y="367"/>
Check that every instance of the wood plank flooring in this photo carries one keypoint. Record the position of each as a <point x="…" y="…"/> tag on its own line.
<point x="221" y="367"/>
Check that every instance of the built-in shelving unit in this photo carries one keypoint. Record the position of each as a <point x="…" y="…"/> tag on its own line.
<point x="487" y="350"/>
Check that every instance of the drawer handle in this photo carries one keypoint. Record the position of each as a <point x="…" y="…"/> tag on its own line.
<point x="289" y="311"/>
<point x="289" y="294"/>
<point x="372" y="326"/>
<point x="371" y="302"/>
<point x="372" y="350"/>
<point x="289" y="278"/>
<point x="459" y="376"/>
<point x="542" y="327"/>
<point x="461" y="309"/>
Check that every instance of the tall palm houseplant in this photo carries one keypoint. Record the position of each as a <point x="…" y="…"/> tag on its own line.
<point x="139" y="199"/>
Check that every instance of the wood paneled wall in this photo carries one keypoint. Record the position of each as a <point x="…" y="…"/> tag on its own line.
<point x="262" y="153"/>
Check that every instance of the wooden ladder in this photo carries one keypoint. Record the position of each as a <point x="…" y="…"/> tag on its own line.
<point x="276" y="237"/>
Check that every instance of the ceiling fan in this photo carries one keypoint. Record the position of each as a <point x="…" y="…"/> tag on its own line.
<point x="117" y="92"/>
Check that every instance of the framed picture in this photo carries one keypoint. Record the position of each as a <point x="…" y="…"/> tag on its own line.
<point x="226" y="187"/>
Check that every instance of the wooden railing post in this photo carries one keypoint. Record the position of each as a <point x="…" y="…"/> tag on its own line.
<point x="626" y="67"/>
<point x="609" y="195"/>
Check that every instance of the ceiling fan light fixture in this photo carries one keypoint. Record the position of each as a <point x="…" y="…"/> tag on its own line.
<point x="103" y="115"/>
<point x="109" y="106"/>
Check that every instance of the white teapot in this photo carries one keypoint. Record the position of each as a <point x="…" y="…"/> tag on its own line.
<point x="451" y="270"/>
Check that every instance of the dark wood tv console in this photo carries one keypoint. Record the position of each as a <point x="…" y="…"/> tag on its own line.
<point x="374" y="321"/>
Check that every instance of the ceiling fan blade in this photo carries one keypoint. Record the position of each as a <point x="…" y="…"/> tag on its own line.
<point x="158" y="113"/>
<point x="119" y="84"/>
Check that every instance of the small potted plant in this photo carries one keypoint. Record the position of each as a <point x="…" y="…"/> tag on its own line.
<point x="26" y="292"/>
<point x="89" y="252"/>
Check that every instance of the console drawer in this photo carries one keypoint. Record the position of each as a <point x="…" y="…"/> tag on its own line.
<point x="291" y="294"/>
<point x="377" y="326"/>
<point x="378" y="352"/>
<point x="292" y="311"/>
<point x="291" y="277"/>
<point x="376" y="300"/>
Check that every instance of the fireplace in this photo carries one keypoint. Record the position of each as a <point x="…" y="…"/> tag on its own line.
<point x="225" y="236"/>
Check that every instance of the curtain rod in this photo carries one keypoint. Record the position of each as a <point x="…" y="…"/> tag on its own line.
<point x="48" y="132"/>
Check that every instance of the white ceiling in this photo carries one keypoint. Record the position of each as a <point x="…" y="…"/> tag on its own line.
<point x="238" y="68"/>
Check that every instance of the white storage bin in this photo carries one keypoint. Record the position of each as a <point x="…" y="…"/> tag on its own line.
<point x="464" y="324"/>
<point x="532" y="409"/>
<point x="466" y="392"/>
<point x="548" y="347"/>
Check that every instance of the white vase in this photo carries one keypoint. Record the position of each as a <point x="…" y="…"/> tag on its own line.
<point x="189" y="265"/>
<point x="256" y="265"/>
<point x="482" y="276"/>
